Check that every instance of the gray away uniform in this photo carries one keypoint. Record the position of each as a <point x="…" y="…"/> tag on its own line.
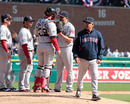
<point x="25" y="37"/>
<point x="5" y="64"/>
<point x="45" y="29"/>
<point x="65" y="58"/>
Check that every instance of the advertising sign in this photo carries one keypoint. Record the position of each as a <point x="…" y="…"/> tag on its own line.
<point x="105" y="74"/>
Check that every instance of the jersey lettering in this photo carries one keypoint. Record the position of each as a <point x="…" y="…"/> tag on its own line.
<point x="89" y="39"/>
<point x="43" y="32"/>
<point x="42" y="28"/>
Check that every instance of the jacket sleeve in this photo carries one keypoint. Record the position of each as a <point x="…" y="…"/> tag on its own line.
<point x="100" y="47"/>
<point x="76" y="45"/>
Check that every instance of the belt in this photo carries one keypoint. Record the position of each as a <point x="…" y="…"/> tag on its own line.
<point x="30" y="50"/>
<point x="44" y="35"/>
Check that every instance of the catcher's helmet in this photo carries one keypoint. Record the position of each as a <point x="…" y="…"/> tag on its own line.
<point x="49" y="11"/>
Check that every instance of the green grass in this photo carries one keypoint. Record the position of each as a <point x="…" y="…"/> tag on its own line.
<point x="101" y="87"/>
<point x="87" y="86"/>
<point x="114" y="87"/>
<point x="122" y="97"/>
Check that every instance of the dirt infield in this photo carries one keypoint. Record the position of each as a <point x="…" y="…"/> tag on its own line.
<point x="56" y="98"/>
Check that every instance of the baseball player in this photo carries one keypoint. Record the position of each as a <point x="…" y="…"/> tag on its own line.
<point x="25" y="53"/>
<point x="65" y="41"/>
<point x="46" y="30"/>
<point x="88" y="52"/>
<point x="5" y="53"/>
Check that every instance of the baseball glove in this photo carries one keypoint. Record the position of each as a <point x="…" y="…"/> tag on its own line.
<point x="59" y="25"/>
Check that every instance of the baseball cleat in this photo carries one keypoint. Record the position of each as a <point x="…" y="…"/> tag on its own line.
<point x="35" y="89"/>
<point x="12" y="89"/>
<point x="69" y="90"/>
<point x="95" y="97"/>
<point x="3" y="89"/>
<point x="78" y="94"/>
<point x="47" y="90"/>
<point x="27" y="90"/>
<point x="56" y="90"/>
<point x="23" y="90"/>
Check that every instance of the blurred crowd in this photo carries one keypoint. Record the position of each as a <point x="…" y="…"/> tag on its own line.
<point x="75" y="2"/>
<point x="116" y="53"/>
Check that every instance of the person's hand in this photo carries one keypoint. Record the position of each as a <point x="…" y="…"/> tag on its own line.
<point x="58" y="52"/>
<point x="8" y="55"/>
<point x="29" y="61"/>
<point x="98" y="61"/>
<point x="77" y="60"/>
<point x="60" y="33"/>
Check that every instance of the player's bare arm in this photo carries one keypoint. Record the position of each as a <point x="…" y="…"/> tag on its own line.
<point x="9" y="55"/>
<point x="77" y="60"/>
<point x="58" y="52"/>
<point x="98" y="61"/>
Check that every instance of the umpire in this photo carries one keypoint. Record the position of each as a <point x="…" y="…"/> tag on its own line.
<point x="88" y="52"/>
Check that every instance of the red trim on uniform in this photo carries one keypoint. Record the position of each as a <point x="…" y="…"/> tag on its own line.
<point x="55" y="43"/>
<point x="25" y="49"/>
<point x="4" y="45"/>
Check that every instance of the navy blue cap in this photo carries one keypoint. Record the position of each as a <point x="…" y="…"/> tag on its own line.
<point x="28" y="18"/>
<point x="6" y="16"/>
<point x="89" y="20"/>
<point x="64" y="14"/>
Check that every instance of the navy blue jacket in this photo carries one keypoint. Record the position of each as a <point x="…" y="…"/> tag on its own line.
<point x="88" y="46"/>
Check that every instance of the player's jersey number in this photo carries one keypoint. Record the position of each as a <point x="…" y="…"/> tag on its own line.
<point x="43" y="32"/>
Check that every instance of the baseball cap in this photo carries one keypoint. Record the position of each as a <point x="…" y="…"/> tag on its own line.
<point x="6" y="16"/>
<point x="64" y="14"/>
<point x="89" y="20"/>
<point x="28" y="18"/>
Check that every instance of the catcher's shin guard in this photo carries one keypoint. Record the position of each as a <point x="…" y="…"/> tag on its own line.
<point x="45" y="79"/>
<point x="44" y="85"/>
<point x="37" y="84"/>
<point x="42" y="80"/>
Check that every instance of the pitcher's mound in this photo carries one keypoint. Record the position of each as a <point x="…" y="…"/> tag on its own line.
<point x="52" y="98"/>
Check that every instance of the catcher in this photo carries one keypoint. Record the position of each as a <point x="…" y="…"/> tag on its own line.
<point x="46" y="30"/>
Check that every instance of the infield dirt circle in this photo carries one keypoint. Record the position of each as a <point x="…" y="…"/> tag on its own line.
<point x="56" y="98"/>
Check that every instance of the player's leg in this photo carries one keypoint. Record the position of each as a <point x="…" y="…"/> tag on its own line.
<point x="3" y="67"/>
<point x="59" y="67"/>
<point x="8" y="75"/>
<point x="68" y="62"/>
<point x="39" y="71"/>
<point x="28" y="73"/>
<point x="23" y="69"/>
<point x="48" y="61"/>
<point x="93" y="68"/>
<point x="82" y="67"/>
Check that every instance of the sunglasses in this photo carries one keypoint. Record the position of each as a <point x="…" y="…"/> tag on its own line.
<point x="9" y="19"/>
<point x="88" y="22"/>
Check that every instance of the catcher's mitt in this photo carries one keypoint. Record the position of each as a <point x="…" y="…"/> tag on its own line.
<point x="59" y="25"/>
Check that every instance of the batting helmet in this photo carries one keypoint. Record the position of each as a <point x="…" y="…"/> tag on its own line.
<point x="49" y="11"/>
